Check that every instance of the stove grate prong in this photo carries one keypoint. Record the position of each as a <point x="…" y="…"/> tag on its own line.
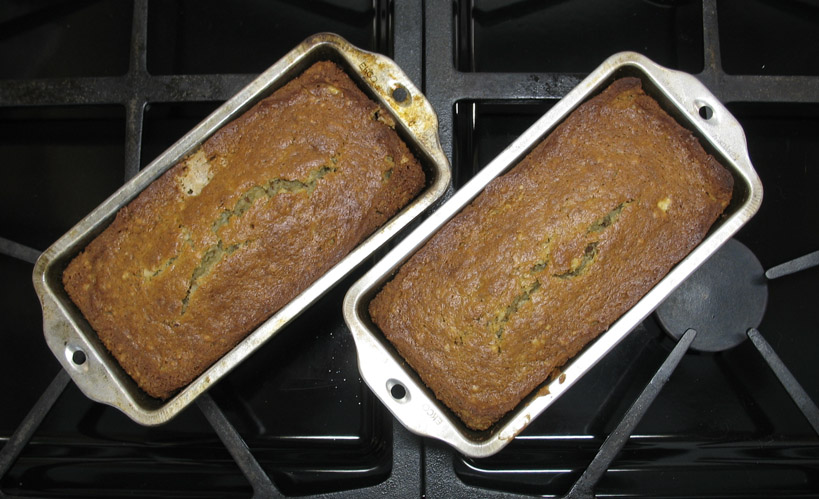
<point x="794" y="389"/>
<point x="21" y="436"/>
<point x="584" y="486"/>
<point x="19" y="251"/>
<point x="796" y="265"/>
<point x="262" y="485"/>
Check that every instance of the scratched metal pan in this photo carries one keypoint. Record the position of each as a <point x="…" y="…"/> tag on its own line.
<point x="94" y="370"/>
<point x="399" y="387"/>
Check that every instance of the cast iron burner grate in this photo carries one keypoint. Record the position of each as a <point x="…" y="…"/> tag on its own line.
<point x="724" y="300"/>
<point x="714" y="310"/>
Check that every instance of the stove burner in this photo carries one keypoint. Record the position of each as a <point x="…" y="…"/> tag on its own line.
<point x="724" y="298"/>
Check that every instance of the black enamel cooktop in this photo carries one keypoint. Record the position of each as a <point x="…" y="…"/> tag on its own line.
<point x="91" y="91"/>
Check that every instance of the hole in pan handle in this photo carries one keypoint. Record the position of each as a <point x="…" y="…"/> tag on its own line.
<point x="400" y="94"/>
<point x="706" y="112"/>
<point x="398" y="391"/>
<point x="78" y="357"/>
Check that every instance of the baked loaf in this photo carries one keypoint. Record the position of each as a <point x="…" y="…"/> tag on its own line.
<point x="237" y="229"/>
<point x="551" y="253"/>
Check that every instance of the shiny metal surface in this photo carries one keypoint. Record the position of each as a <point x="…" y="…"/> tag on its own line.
<point x="686" y="99"/>
<point x="94" y="370"/>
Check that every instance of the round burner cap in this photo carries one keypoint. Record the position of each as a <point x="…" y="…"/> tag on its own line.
<point x="722" y="299"/>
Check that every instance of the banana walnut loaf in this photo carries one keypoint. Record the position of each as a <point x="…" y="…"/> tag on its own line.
<point x="237" y="229"/>
<point x="551" y="253"/>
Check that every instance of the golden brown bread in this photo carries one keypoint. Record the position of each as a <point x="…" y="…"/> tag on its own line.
<point x="233" y="232"/>
<point x="551" y="253"/>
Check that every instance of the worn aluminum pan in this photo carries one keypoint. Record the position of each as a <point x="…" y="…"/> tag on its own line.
<point x="382" y="368"/>
<point x="95" y="371"/>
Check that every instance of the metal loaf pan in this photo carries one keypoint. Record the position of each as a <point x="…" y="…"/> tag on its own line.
<point x="99" y="375"/>
<point x="412" y="403"/>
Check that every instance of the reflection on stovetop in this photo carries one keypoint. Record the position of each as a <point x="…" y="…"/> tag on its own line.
<point x="722" y="426"/>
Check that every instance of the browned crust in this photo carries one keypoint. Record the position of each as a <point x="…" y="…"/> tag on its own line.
<point x="298" y="181"/>
<point x="551" y="253"/>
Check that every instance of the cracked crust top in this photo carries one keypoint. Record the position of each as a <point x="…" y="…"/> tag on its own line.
<point x="551" y="253"/>
<point x="236" y="230"/>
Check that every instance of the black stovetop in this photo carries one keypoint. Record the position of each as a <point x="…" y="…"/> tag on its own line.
<point x="91" y="91"/>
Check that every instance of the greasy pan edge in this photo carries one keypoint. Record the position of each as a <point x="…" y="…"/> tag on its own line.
<point x="100" y="377"/>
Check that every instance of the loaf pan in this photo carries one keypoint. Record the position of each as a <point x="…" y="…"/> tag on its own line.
<point x="400" y="388"/>
<point x="76" y="345"/>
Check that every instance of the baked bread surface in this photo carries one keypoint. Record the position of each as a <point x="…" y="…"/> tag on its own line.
<point x="551" y="253"/>
<point x="236" y="230"/>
